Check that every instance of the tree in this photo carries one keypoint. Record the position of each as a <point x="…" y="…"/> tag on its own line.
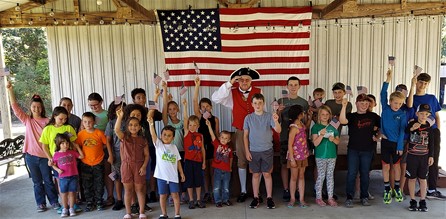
<point x="26" y="56"/>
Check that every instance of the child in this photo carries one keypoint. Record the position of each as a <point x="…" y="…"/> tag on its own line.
<point x="393" y="124"/>
<point x="167" y="167"/>
<point x="325" y="138"/>
<point x="293" y="86"/>
<point x="195" y="158"/>
<point x="360" y="148"/>
<point x="419" y="155"/>
<point x="222" y="164"/>
<point x="73" y="120"/>
<point x="200" y="109"/>
<point x="113" y="148"/>
<point x="297" y="154"/>
<point x="318" y="94"/>
<point x="65" y="164"/>
<point x="92" y="142"/>
<point x="134" y="163"/>
<point x="257" y="138"/>
<point x="336" y="103"/>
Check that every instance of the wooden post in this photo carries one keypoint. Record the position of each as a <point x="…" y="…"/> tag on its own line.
<point x="4" y="102"/>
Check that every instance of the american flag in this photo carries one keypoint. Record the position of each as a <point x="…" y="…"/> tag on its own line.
<point x="318" y="103"/>
<point x="391" y="60"/>
<point x="348" y="90"/>
<point x="183" y="89"/>
<point x="417" y="69"/>
<point x="285" y="93"/>
<point x="153" y="105"/>
<point x="310" y="101"/>
<point x="206" y="115"/>
<point x="119" y="99"/>
<point x="335" y="123"/>
<point x="274" y="41"/>
<point x="275" y="105"/>
<point x="430" y="120"/>
<point x="362" y="90"/>
<point x="166" y="75"/>
<point x="197" y="70"/>
<point x="157" y="79"/>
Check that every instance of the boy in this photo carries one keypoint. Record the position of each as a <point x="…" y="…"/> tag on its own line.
<point x="421" y="97"/>
<point x="195" y="158"/>
<point x="419" y="155"/>
<point x="293" y="85"/>
<point x="336" y="103"/>
<point x="222" y="164"/>
<point x="167" y="167"/>
<point x="393" y="125"/>
<point x="258" y="138"/>
<point x="92" y="142"/>
<point x="318" y="94"/>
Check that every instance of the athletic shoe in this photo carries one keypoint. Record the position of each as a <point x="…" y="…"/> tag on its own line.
<point x="387" y="197"/>
<point x="398" y="195"/>
<point x="64" y="213"/>
<point x="77" y="208"/>
<point x="242" y="197"/>
<point x="286" y="195"/>
<point x="147" y="207"/>
<point x="100" y="206"/>
<point x="41" y="208"/>
<point x="365" y="202"/>
<point x="177" y="217"/>
<point x="218" y="205"/>
<point x="72" y="212"/>
<point x="413" y="205"/>
<point x="56" y="206"/>
<point x="207" y="197"/>
<point x="435" y="195"/>
<point x="191" y="205"/>
<point x="227" y="203"/>
<point x="255" y="203"/>
<point x="201" y="204"/>
<point x="89" y="207"/>
<point x="118" y="205"/>
<point x="371" y="197"/>
<point x="422" y="206"/>
<point x="270" y="203"/>
<point x="163" y="217"/>
<point x="134" y="209"/>
<point x="349" y="203"/>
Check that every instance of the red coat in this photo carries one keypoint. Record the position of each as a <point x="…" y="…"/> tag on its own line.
<point x="241" y="106"/>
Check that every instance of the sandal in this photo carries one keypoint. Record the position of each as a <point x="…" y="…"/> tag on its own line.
<point x="321" y="202"/>
<point x="290" y="205"/>
<point x="142" y="216"/>
<point x="332" y="202"/>
<point x="303" y="205"/>
<point x="127" y="216"/>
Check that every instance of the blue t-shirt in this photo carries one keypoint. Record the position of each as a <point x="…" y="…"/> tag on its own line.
<point x="393" y="123"/>
<point x="260" y="133"/>
<point x="427" y="99"/>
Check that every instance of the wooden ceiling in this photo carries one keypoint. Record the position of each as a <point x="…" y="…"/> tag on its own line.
<point x="132" y="12"/>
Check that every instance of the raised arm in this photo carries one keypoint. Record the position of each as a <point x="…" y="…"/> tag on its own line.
<point x="185" y="117"/>
<point x="211" y="132"/>
<point x="11" y="93"/>
<point x="157" y="94"/>
<point x="413" y="85"/>
<point x="223" y="94"/>
<point x="195" y="100"/>
<point x="277" y="127"/>
<point x="118" y="131"/>
<point x="152" y="125"/>
<point x="342" y="116"/>
<point x="165" y="101"/>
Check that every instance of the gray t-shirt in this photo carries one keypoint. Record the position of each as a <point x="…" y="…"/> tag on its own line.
<point x="75" y="121"/>
<point x="284" y="120"/>
<point x="110" y="132"/>
<point x="260" y="133"/>
<point x="336" y="108"/>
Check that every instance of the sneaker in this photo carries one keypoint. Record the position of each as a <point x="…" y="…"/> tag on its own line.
<point x="77" y="208"/>
<point x="227" y="203"/>
<point x="72" y="212"/>
<point x="255" y="203"/>
<point x="201" y="204"/>
<point x="413" y="205"/>
<point x="349" y="203"/>
<point x="321" y="202"/>
<point x="134" y="209"/>
<point x="435" y="195"/>
<point x="41" y="208"/>
<point x="56" y="206"/>
<point x="242" y="197"/>
<point x="286" y="195"/>
<point x="206" y="197"/>
<point x="356" y="197"/>
<point x="118" y="205"/>
<point x="387" y="197"/>
<point x="152" y="197"/>
<point x="191" y="205"/>
<point x="398" y="195"/>
<point x="64" y="213"/>
<point x="270" y="203"/>
<point x="163" y="217"/>
<point x="422" y="206"/>
<point x="177" y="217"/>
<point x="100" y="206"/>
<point x="365" y="202"/>
<point x="371" y="197"/>
<point x="218" y="205"/>
<point x="89" y="207"/>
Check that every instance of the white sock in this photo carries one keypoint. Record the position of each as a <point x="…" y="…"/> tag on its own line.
<point x="242" y="176"/>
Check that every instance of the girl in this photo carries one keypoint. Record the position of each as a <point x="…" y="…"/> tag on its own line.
<point x="134" y="163"/>
<point x="35" y="157"/>
<point x="113" y="148"/>
<point x="297" y="154"/>
<point x="325" y="138"/>
<point x="65" y="164"/>
<point x="203" y="110"/>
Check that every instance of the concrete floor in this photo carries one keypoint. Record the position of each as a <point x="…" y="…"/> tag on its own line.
<point x="17" y="201"/>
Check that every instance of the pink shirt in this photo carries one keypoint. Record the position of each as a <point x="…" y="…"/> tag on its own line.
<point x="66" y="161"/>
<point x="33" y="131"/>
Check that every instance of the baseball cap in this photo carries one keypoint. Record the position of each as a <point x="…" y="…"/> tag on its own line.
<point x="424" y="108"/>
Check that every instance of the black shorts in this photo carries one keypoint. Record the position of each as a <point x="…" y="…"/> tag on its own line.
<point x="388" y="152"/>
<point x="283" y="152"/>
<point x="193" y="174"/>
<point x="417" y="166"/>
<point x="209" y="148"/>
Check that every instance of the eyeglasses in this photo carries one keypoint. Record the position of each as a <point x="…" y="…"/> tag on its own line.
<point x="94" y="105"/>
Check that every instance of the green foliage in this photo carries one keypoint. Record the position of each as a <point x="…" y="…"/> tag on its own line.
<point x="26" y="56"/>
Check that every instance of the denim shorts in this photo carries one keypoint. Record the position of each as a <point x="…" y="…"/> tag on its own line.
<point x="165" y="188"/>
<point x="68" y="184"/>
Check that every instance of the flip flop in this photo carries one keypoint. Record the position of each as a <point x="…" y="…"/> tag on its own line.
<point x="127" y="216"/>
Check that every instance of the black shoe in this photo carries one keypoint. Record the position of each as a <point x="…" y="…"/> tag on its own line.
<point x="134" y="209"/>
<point x="286" y="195"/>
<point x="422" y="206"/>
<point x="191" y="205"/>
<point x="242" y="197"/>
<point x="201" y="204"/>
<point x="148" y="208"/>
<point x="100" y="206"/>
<point x="218" y="205"/>
<point x="435" y="195"/>
<point x="255" y="203"/>
<point x="89" y="207"/>
<point x="270" y="203"/>
<point x="207" y="198"/>
<point x="413" y="205"/>
<point x="152" y="197"/>
<point x="227" y="203"/>
<point x="163" y="217"/>
<point x="260" y="199"/>
<point x="118" y="205"/>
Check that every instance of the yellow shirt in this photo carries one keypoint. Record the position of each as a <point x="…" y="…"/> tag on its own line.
<point x="49" y="135"/>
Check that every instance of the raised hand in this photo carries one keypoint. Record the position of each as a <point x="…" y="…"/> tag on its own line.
<point x="234" y="79"/>
<point x="344" y="102"/>
<point x="197" y="81"/>
<point x="120" y="113"/>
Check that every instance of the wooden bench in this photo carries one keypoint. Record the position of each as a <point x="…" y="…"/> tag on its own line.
<point x="11" y="151"/>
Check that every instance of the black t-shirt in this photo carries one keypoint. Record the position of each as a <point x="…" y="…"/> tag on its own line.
<point x="361" y="128"/>
<point x="420" y="140"/>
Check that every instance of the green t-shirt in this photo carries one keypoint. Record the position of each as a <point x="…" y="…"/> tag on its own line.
<point x="101" y="120"/>
<point x="49" y="135"/>
<point x="326" y="149"/>
<point x="284" y="120"/>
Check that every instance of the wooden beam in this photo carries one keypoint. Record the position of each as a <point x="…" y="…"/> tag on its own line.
<point x="117" y="3"/>
<point x="76" y="7"/>
<point x="248" y="4"/>
<point x="30" y="5"/>
<point x="333" y="6"/>
<point x="135" y="6"/>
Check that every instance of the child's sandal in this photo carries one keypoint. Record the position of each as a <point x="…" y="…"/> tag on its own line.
<point x="321" y="202"/>
<point x="127" y="216"/>
<point x="303" y="205"/>
<point x="332" y="202"/>
<point x="290" y="205"/>
<point x="142" y="216"/>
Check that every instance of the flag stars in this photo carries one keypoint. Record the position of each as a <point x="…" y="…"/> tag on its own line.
<point x="193" y="20"/>
<point x="192" y="42"/>
<point x="206" y="47"/>
<point x="215" y="47"/>
<point x="162" y="14"/>
<point x="187" y="47"/>
<point x="208" y="17"/>
<point x="201" y="42"/>
<point x="172" y="14"/>
<point x="188" y="16"/>
<point x="177" y="39"/>
<point x="213" y="21"/>
<point x="212" y="12"/>
<point x="196" y="46"/>
<point x="168" y="18"/>
<point x="200" y="34"/>
<point x="183" y="12"/>
<point x="192" y="12"/>
<point x="167" y="39"/>
<point x="178" y="18"/>
<point x="202" y="12"/>
<point x="168" y="47"/>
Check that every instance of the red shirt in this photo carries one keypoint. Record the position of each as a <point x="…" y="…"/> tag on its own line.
<point x="222" y="156"/>
<point x="193" y="142"/>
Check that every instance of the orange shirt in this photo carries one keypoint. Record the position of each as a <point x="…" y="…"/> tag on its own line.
<point x="92" y="145"/>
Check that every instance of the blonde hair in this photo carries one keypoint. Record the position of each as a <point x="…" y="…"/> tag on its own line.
<point x="397" y="95"/>
<point x="326" y="108"/>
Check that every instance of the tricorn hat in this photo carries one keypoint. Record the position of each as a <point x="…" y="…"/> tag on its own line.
<point x="246" y="71"/>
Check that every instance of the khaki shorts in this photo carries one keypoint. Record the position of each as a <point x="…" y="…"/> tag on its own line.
<point x="240" y="150"/>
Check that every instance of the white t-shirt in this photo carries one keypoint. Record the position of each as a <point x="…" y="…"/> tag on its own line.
<point x="167" y="157"/>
